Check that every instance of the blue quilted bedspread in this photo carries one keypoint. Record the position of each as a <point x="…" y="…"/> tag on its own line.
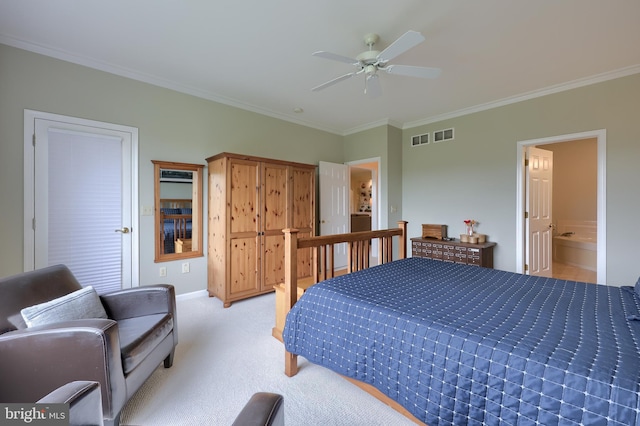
<point x="464" y="345"/>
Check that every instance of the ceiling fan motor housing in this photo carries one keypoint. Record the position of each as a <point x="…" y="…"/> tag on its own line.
<point x="369" y="57"/>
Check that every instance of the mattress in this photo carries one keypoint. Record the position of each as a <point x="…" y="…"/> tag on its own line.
<point x="464" y="345"/>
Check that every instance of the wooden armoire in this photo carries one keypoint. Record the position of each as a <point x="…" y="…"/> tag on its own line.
<point x="251" y="200"/>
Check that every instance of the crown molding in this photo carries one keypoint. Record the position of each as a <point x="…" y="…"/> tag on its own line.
<point x="587" y="81"/>
<point x="181" y="88"/>
<point x="154" y="80"/>
<point x="373" y="125"/>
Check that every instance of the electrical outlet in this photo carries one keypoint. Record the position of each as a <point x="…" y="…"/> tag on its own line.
<point x="185" y="267"/>
<point x="163" y="271"/>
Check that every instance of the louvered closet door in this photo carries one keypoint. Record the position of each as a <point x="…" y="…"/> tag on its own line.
<point x="82" y="203"/>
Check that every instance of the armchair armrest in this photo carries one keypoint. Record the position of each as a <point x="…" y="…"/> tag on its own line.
<point x="84" y="399"/>
<point x="263" y="409"/>
<point x="37" y="360"/>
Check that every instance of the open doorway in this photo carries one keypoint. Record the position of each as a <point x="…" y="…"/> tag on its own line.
<point x="577" y="213"/>
<point x="343" y="199"/>
<point x="364" y="198"/>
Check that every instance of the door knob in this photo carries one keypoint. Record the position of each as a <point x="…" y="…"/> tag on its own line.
<point x="124" y="230"/>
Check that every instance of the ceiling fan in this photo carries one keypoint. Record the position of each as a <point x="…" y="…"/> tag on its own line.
<point x="372" y="61"/>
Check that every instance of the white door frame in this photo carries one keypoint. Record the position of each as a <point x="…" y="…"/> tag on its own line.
<point x="30" y="117"/>
<point x="375" y="214"/>
<point x="601" y="137"/>
<point x="375" y="208"/>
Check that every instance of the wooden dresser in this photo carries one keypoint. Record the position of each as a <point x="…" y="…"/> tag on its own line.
<point x="454" y="251"/>
<point x="251" y="200"/>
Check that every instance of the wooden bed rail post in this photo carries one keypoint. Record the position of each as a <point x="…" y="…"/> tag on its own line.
<point x="290" y="289"/>
<point x="402" y="252"/>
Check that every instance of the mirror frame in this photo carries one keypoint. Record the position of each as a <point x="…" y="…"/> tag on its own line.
<point x="196" y="210"/>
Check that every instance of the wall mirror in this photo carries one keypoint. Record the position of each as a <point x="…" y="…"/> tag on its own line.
<point x="178" y="210"/>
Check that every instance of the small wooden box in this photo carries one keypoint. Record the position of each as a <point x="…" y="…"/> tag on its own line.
<point x="437" y="232"/>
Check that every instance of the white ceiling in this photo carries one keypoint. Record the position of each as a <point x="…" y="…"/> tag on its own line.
<point x="256" y="54"/>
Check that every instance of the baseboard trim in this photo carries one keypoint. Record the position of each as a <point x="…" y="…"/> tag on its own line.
<point x="192" y="295"/>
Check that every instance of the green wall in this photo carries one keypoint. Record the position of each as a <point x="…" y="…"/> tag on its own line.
<point x="474" y="175"/>
<point x="172" y="126"/>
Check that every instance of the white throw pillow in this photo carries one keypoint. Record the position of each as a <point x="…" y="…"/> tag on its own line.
<point x="80" y="304"/>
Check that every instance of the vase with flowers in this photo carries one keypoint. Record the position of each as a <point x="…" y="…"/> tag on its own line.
<point x="470" y="223"/>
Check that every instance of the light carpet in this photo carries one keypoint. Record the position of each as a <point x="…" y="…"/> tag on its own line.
<point x="226" y="355"/>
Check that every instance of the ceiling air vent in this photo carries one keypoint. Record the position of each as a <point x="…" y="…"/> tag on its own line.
<point x="420" y="139"/>
<point x="443" y="135"/>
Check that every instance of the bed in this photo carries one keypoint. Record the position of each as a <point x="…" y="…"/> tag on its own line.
<point x="460" y="344"/>
<point x="176" y="220"/>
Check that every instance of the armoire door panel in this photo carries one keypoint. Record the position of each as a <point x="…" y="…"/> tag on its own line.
<point x="303" y="208"/>
<point x="273" y="260"/>
<point x="305" y="256"/>
<point x="244" y="196"/>
<point x="243" y="266"/>
<point x="274" y="197"/>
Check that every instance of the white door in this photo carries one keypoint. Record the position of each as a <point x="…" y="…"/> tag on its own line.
<point x="334" y="206"/>
<point x="81" y="199"/>
<point x="539" y="196"/>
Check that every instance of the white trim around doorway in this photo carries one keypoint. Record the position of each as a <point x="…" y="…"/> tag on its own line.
<point x="601" y="137"/>
<point x="30" y="117"/>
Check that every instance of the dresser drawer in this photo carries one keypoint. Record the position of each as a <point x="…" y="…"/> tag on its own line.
<point x="437" y="251"/>
<point x="474" y="256"/>
<point x="448" y="252"/>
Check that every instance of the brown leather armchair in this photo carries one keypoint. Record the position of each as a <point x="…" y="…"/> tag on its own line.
<point x="120" y="352"/>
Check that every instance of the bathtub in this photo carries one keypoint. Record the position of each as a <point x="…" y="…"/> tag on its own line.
<point x="576" y="250"/>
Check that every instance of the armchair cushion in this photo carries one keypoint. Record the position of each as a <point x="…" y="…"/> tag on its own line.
<point x="81" y="304"/>
<point x="140" y="336"/>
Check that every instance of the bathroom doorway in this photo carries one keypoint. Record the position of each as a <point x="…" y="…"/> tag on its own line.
<point x="575" y="209"/>
<point x="578" y="212"/>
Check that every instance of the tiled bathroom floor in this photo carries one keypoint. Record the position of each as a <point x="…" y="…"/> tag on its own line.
<point x="573" y="273"/>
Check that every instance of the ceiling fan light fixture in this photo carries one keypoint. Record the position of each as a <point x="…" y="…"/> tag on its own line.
<point x="370" y="71"/>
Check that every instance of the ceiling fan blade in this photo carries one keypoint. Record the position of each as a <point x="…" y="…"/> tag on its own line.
<point x="411" y="71"/>
<point x="332" y="82"/>
<point x="372" y="86"/>
<point x="335" y="57"/>
<point x="401" y="45"/>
